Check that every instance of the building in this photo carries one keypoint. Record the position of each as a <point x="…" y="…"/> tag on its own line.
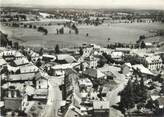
<point x="101" y="108"/>
<point x="2" y="63"/>
<point x="28" y="68"/>
<point x="65" y="59"/>
<point x="93" y="73"/>
<point x="12" y="99"/>
<point x="126" y="69"/>
<point x="70" y="79"/>
<point x="10" y="55"/>
<point x="40" y="81"/>
<point x="59" y="70"/>
<point x="85" y="83"/>
<point x="142" y="71"/>
<point x="48" y="58"/>
<point x="160" y="101"/>
<point x="124" y="50"/>
<point x="117" y="56"/>
<point x="29" y="77"/>
<point x="20" y="61"/>
<point x="153" y="62"/>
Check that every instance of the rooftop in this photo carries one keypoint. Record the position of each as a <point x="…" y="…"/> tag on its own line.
<point x="142" y="69"/>
<point x="101" y="105"/>
<point x="2" y="61"/>
<point x="21" y="61"/>
<point x="94" y="73"/>
<point x="18" y="77"/>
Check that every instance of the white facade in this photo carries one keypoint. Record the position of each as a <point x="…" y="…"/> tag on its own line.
<point x="154" y="62"/>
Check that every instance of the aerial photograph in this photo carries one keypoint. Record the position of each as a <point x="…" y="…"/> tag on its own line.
<point x="81" y="58"/>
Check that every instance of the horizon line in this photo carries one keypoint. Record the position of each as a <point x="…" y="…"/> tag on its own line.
<point x="80" y="6"/>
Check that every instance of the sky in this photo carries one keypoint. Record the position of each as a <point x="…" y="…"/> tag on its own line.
<point x="144" y="4"/>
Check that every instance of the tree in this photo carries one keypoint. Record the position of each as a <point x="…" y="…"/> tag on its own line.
<point x="38" y="63"/>
<point x="135" y="89"/>
<point x="76" y="31"/>
<point x="45" y="31"/>
<point x="127" y="97"/>
<point x="162" y="89"/>
<point x="41" y="51"/>
<point x="16" y="45"/>
<point x="81" y="51"/>
<point x="142" y="92"/>
<point x="57" y="50"/>
<point x="108" y="58"/>
<point x="143" y="45"/>
<point x="10" y="43"/>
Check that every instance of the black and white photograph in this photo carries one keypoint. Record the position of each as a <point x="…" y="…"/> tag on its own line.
<point x="81" y="58"/>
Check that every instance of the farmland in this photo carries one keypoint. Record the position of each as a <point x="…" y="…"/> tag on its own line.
<point x="125" y="33"/>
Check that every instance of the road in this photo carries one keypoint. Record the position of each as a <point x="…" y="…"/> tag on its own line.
<point x="54" y="98"/>
<point x="114" y="98"/>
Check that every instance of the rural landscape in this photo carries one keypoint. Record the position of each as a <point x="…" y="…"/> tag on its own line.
<point x="82" y="61"/>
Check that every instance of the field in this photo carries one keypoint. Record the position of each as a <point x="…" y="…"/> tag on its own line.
<point x="125" y="33"/>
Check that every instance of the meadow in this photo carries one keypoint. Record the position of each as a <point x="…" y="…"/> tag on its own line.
<point x="124" y="33"/>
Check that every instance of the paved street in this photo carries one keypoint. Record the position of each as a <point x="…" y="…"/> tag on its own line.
<point x="54" y="98"/>
<point x="114" y="98"/>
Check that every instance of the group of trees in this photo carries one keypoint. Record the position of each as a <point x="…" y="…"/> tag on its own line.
<point x="81" y="51"/>
<point x="135" y="93"/>
<point x="74" y="27"/>
<point x="60" y="31"/>
<point x="57" y="49"/>
<point x="11" y="18"/>
<point x="42" y="29"/>
<point x="94" y="22"/>
<point x="5" y="42"/>
<point x="3" y="39"/>
<point x="133" y="59"/>
<point x="109" y="59"/>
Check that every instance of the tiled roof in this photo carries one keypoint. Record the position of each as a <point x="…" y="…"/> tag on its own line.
<point x="101" y="105"/>
<point x="94" y="73"/>
<point x="23" y="77"/>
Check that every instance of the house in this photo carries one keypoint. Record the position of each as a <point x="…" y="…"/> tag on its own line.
<point x="2" y="62"/>
<point x="149" y="45"/>
<point x="48" y="58"/>
<point x="118" y="56"/>
<point x="64" y="59"/>
<point x="92" y="61"/>
<point x="87" y="52"/>
<point x="28" y="68"/>
<point x="93" y="73"/>
<point x="82" y="103"/>
<point x="59" y="70"/>
<point x="10" y="55"/>
<point x="20" y="61"/>
<point x="101" y="108"/>
<point x="70" y="80"/>
<point x="143" y="71"/>
<point x="40" y="90"/>
<point x="85" y="83"/>
<point x="12" y="99"/>
<point x="160" y="101"/>
<point x="40" y="94"/>
<point x="124" y="50"/>
<point x="154" y="62"/>
<point x="40" y="81"/>
<point x="126" y="69"/>
<point x="29" y="77"/>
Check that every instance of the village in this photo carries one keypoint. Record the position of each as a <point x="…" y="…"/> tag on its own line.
<point x="86" y="81"/>
<point x="52" y="65"/>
